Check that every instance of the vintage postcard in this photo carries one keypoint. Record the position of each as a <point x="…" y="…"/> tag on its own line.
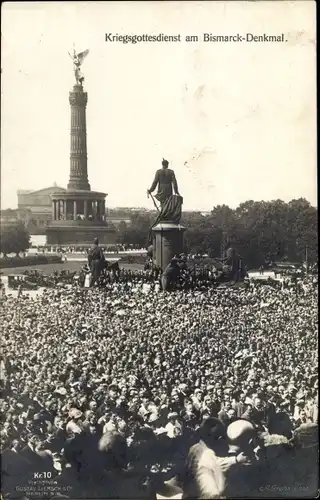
<point x="159" y="250"/>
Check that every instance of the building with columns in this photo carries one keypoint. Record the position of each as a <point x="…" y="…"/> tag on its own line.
<point x="35" y="208"/>
<point x="78" y="213"/>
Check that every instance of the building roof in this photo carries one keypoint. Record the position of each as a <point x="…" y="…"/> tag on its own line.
<point x="47" y="190"/>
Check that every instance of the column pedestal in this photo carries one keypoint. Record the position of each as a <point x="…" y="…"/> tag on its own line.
<point x="167" y="242"/>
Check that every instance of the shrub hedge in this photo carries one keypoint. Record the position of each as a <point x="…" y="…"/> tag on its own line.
<point x="31" y="260"/>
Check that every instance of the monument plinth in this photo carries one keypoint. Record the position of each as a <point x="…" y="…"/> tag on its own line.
<point x="78" y="214"/>
<point x="167" y="242"/>
<point x="167" y="232"/>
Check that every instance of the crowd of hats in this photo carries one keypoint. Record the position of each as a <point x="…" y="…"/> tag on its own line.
<point x="196" y="278"/>
<point x="142" y="362"/>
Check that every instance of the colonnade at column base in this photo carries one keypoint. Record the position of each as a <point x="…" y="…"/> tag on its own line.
<point x="79" y="216"/>
<point x="79" y="205"/>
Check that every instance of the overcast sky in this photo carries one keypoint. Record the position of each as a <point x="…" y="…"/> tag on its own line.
<point x="236" y="121"/>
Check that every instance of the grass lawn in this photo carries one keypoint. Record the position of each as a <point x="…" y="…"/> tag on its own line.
<point x="49" y="268"/>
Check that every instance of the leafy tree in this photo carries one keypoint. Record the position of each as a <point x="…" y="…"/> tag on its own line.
<point x="122" y="226"/>
<point x="303" y="223"/>
<point x="138" y="231"/>
<point x="260" y="231"/>
<point x="14" y="239"/>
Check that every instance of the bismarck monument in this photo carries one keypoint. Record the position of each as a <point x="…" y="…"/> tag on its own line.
<point x="167" y="232"/>
<point x="78" y="214"/>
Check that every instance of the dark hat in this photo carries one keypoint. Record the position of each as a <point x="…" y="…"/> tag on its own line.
<point x="211" y="426"/>
<point x="188" y="416"/>
<point x="144" y="434"/>
<point x="113" y="386"/>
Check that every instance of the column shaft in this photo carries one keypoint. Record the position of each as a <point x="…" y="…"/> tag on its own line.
<point x="78" y="140"/>
<point x="74" y="210"/>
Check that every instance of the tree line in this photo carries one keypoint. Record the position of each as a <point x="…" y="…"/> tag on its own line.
<point x="259" y="231"/>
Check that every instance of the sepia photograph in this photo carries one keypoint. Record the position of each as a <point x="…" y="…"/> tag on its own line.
<point x="159" y="250"/>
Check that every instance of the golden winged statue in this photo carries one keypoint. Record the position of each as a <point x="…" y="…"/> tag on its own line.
<point x="77" y="62"/>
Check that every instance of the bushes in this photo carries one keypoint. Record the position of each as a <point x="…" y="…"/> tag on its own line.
<point x="14" y="238"/>
<point x="31" y="260"/>
<point x="133" y="259"/>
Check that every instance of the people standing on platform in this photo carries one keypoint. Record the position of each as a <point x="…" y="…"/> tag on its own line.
<point x="96" y="261"/>
<point x="170" y="275"/>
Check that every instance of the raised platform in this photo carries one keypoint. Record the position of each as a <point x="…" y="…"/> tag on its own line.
<point x="167" y="242"/>
<point x="78" y="232"/>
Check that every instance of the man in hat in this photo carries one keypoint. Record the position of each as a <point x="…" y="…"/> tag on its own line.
<point x="39" y="460"/>
<point x="13" y="466"/>
<point x="243" y="442"/>
<point x="257" y="414"/>
<point x="203" y="477"/>
<point x="165" y="179"/>
<point x="208" y="475"/>
<point x="173" y="426"/>
<point x="95" y="261"/>
<point x="170" y="275"/>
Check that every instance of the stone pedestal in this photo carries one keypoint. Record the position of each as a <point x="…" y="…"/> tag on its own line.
<point x="78" y="233"/>
<point x="167" y="242"/>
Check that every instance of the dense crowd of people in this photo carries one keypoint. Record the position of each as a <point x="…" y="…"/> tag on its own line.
<point x="196" y="279"/>
<point x="70" y="249"/>
<point x="108" y="388"/>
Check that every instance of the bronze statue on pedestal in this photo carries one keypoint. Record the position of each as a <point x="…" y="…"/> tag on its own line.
<point x="168" y="195"/>
<point x="168" y="219"/>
